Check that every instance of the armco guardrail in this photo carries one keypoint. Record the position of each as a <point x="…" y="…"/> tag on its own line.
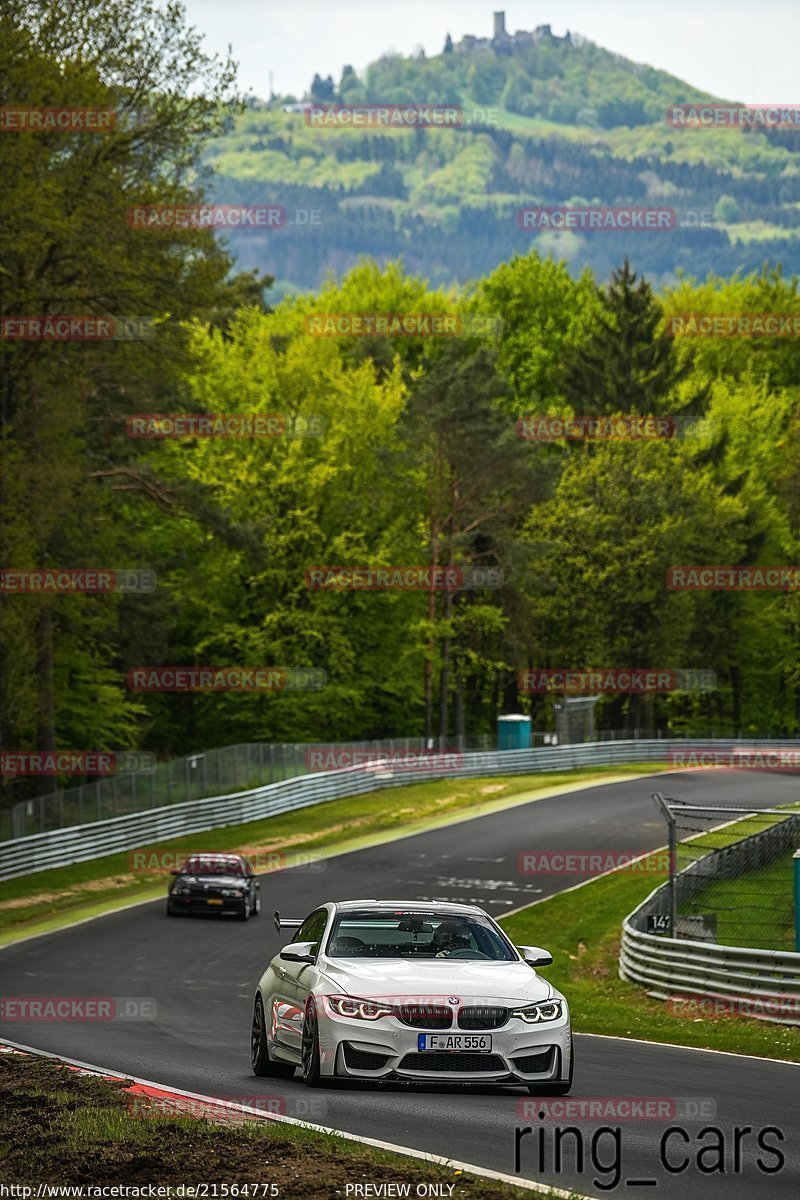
<point x="745" y="981"/>
<point x="79" y="843"/>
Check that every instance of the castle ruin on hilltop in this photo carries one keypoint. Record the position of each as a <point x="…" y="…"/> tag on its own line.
<point x="506" y="43"/>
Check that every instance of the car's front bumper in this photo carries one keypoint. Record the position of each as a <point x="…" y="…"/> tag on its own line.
<point x="388" y="1049"/>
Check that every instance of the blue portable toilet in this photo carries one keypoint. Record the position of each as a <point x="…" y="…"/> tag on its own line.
<point x="513" y="732"/>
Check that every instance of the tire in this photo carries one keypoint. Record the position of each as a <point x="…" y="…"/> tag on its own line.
<point x="556" y="1089"/>
<point x="244" y="915"/>
<point x="257" y="904"/>
<point x="259" y="1048"/>
<point x="310" y="1047"/>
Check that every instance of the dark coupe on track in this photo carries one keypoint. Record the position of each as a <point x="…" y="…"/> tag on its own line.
<point x="215" y="883"/>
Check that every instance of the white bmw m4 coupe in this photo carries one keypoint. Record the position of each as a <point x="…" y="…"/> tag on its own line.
<point x="395" y="990"/>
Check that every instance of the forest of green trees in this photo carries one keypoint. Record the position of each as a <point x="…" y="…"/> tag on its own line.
<point x="416" y="458"/>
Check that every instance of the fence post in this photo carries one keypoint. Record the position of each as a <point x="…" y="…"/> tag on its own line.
<point x="669" y="817"/>
<point x="796" y="859"/>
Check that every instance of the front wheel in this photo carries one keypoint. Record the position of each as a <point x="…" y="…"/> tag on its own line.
<point x="257" y="903"/>
<point x="259" y="1048"/>
<point x="310" y="1048"/>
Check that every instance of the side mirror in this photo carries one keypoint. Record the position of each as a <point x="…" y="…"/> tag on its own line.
<point x="174" y="871"/>
<point x="535" y="956"/>
<point x="300" y="952"/>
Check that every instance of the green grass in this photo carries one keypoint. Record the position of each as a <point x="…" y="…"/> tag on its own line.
<point x="582" y="928"/>
<point x="756" y="909"/>
<point x="51" y="899"/>
<point x="63" y="1128"/>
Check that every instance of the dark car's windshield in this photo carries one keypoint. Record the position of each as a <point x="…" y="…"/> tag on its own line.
<point x="212" y="865"/>
<point x="416" y="935"/>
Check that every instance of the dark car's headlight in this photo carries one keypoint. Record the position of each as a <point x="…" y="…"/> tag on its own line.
<point x="232" y="893"/>
<point x="180" y="889"/>
<point x="361" y="1010"/>
<point x="547" y="1010"/>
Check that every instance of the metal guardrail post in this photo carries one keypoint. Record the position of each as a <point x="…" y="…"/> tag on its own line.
<point x="796" y="860"/>
<point x="672" y="845"/>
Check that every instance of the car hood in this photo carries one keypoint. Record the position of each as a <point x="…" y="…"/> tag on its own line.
<point x="434" y="980"/>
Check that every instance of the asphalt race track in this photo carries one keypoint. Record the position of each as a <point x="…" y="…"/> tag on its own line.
<point x="202" y="973"/>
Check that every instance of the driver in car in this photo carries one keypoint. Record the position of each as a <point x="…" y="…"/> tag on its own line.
<point x="450" y="936"/>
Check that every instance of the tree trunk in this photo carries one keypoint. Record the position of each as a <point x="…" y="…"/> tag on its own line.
<point x="46" y="739"/>
<point x="444" y="674"/>
<point x="458" y="708"/>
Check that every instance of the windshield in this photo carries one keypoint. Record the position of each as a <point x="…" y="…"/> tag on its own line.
<point x="416" y="935"/>
<point x="212" y="865"/>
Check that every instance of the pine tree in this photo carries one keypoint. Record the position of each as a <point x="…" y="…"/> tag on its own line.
<point x="628" y="364"/>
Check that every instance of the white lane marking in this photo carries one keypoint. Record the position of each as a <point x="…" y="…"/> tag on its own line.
<point x="613" y="1037"/>
<point x="406" y="1151"/>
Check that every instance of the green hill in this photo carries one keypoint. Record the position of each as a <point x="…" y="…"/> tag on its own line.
<point x="559" y="121"/>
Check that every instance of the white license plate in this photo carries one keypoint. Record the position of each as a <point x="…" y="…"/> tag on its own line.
<point x="478" y="1043"/>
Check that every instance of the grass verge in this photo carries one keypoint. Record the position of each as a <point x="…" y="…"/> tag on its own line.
<point x="60" y="1127"/>
<point x="581" y="928"/>
<point x="51" y="899"/>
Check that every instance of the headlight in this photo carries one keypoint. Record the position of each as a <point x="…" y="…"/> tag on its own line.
<point x="181" y="889"/>
<point x="361" y="1010"/>
<point x="231" y="893"/>
<point x="548" y="1010"/>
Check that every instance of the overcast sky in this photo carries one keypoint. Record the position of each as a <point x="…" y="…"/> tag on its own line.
<point x="744" y="50"/>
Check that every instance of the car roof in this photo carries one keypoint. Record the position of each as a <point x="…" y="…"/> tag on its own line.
<point x="432" y="906"/>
